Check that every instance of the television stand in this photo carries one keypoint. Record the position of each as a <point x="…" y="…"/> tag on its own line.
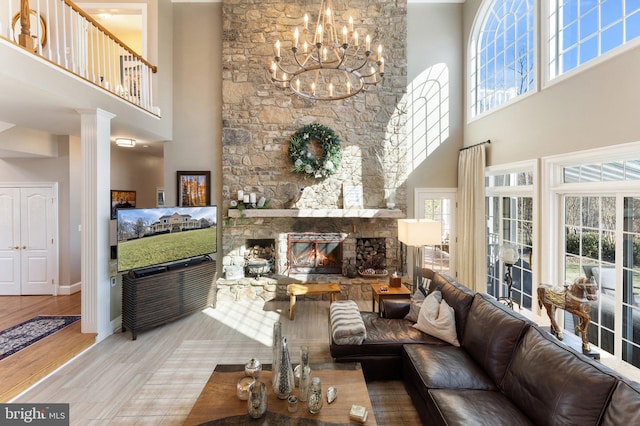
<point x="157" y="296"/>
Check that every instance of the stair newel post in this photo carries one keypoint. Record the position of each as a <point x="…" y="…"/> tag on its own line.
<point x="24" y="39"/>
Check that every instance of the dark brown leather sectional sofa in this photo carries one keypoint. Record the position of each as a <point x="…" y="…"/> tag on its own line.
<point x="507" y="370"/>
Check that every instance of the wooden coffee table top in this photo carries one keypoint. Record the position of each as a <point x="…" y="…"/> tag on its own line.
<point x="218" y="399"/>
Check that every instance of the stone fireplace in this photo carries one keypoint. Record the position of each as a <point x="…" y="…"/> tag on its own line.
<point x="258" y="122"/>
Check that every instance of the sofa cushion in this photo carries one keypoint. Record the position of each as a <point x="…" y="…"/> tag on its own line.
<point x="431" y="367"/>
<point x="457" y="296"/>
<point x="385" y="337"/>
<point x="474" y="407"/>
<point x="556" y="385"/>
<point x="416" y="303"/>
<point x="624" y="408"/>
<point x="492" y="334"/>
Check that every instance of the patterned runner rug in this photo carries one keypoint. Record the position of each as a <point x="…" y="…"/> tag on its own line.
<point x="18" y="337"/>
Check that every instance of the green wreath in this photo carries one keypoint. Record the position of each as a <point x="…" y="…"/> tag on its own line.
<point x="304" y="162"/>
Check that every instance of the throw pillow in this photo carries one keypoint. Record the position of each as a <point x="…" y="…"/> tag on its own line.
<point x="442" y="324"/>
<point x="414" y="308"/>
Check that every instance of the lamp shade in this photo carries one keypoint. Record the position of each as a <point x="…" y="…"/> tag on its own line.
<point x="419" y="232"/>
<point x="509" y="254"/>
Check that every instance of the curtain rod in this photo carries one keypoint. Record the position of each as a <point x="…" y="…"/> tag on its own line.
<point x="478" y="144"/>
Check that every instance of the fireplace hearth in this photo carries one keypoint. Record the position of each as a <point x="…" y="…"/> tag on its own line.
<point x="315" y="253"/>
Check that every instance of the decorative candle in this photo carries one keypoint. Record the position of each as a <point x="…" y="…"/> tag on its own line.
<point x="242" y="388"/>
<point x="328" y="13"/>
<point x="296" y="36"/>
<point x="273" y="69"/>
<point x="313" y="89"/>
<point x="330" y="90"/>
<point x="245" y="199"/>
<point x="240" y="194"/>
<point x="324" y="53"/>
<point x="306" y="21"/>
<point x="278" y="48"/>
<point x="381" y="65"/>
<point x="355" y="39"/>
<point x="373" y="74"/>
<point x="344" y="35"/>
<point x="284" y="79"/>
<point x="305" y="47"/>
<point x="348" y="86"/>
<point x="252" y="198"/>
<point x="298" y="84"/>
<point x="319" y="33"/>
<point x="367" y="43"/>
<point x="379" y="51"/>
<point x="351" y="23"/>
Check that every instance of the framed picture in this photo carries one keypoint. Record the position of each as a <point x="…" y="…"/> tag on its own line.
<point x="352" y="196"/>
<point x="160" y="197"/>
<point x="122" y="200"/>
<point x="130" y="75"/>
<point x="194" y="189"/>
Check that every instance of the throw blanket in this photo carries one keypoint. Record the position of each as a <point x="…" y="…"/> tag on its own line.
<point x="347" y="327"/>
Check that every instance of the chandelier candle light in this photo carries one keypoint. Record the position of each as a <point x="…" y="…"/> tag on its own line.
<point x="329" y="67"/>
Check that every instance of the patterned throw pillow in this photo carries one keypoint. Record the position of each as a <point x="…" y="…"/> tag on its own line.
<point x="416" y="302"/>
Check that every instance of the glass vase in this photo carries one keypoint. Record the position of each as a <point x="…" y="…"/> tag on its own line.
<point x="305" y="373"/>
<point x="257" y="402"/>
<point x="283" y="383"/>
<point x="275" y="347"/>
<point x="314" y="399"/>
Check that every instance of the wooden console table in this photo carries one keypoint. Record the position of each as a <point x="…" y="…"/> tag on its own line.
<point x="218" y="399"/>
<point x="295" y="290"/>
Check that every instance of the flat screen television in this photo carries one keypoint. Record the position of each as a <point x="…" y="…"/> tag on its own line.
<point x="159" y="236"/>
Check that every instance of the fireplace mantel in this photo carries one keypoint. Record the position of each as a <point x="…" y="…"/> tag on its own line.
<point x="354" y="213"/>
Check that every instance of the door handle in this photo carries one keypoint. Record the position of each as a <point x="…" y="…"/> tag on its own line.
<point x="16" y="247"/>
<point x="24" y="247"/>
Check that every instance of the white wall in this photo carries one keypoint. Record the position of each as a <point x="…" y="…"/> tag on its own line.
<point x="434" y="36"/>
<point x="136" y="171"/>
<point x="597" y="107"/>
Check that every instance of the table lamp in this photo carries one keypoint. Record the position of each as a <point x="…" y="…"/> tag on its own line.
<point x="418" y="233"/>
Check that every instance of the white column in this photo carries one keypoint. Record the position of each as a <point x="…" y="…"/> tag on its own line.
<point x="96" y="165"/>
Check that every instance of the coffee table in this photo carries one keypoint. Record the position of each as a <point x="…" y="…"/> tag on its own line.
<point x="218" y="399"/>
<point x="379" y="292"/>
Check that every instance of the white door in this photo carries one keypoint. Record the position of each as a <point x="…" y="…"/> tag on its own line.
<point x="9" y="241"/>
<point x="31" y="254"/>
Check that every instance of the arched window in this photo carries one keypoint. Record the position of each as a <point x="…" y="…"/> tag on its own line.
<point x="581" y="30"/>
<point x="501" y="54"/>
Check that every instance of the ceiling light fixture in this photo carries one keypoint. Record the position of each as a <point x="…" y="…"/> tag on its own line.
<point x="125" y="142"/>
<point x="327" y="68"/>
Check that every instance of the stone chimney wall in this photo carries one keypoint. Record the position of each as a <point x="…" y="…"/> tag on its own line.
<point x="259" y="118"/>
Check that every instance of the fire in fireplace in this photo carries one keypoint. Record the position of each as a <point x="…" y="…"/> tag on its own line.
<point x="315" y="253"/>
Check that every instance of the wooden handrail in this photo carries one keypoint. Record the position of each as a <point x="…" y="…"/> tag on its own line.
<point x="72" y="5"/>
<point x="25" y="39"/>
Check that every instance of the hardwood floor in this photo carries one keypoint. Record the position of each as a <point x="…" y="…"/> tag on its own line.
<point x="23" y="369"/>
<point x="157" y="378"/>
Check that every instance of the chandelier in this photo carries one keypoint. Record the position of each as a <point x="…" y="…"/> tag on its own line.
<point x="328" y="67"/>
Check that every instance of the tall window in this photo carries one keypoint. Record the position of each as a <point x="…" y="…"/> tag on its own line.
<point x="509" y="218"/>
<point x="581" y="30"/>
<point x="501" y="54"/>
<point x="439" y="206"/>
<point x="598" y="197"/>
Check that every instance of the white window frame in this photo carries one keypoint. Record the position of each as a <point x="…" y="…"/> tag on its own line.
<point x="552" y="213"/>
<point x="423" y="194"/>
<point x="472" y="59"/>
<point x="521" y="191"/>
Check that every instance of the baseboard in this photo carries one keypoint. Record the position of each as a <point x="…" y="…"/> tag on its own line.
<point x="65" y="290"/>
<point x="116" y="324"/>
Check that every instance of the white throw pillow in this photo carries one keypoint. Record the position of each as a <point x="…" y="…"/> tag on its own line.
<point x="442" y="324"/>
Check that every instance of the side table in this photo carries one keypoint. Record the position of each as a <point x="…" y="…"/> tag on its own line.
<point x="379" y="292"/>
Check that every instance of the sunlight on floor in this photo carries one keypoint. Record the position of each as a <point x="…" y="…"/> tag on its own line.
<point x="246" y="318"/>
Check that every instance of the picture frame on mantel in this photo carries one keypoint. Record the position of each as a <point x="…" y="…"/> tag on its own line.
<point x="352" y="197"/>
<point x="193" y="188"/>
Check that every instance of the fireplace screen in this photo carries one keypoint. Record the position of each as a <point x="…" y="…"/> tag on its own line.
<point x="313" y="253"/>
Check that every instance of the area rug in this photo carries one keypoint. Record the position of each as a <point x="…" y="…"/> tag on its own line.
<point x="18" y="337"/>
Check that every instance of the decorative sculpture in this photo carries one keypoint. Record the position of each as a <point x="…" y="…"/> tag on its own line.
<point x="575" y="299"/>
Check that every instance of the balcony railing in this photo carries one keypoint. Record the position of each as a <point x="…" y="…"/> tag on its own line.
<point x="64" y="34"/>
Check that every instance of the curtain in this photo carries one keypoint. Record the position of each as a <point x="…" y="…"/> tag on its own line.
<point x="471" y="263"/>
